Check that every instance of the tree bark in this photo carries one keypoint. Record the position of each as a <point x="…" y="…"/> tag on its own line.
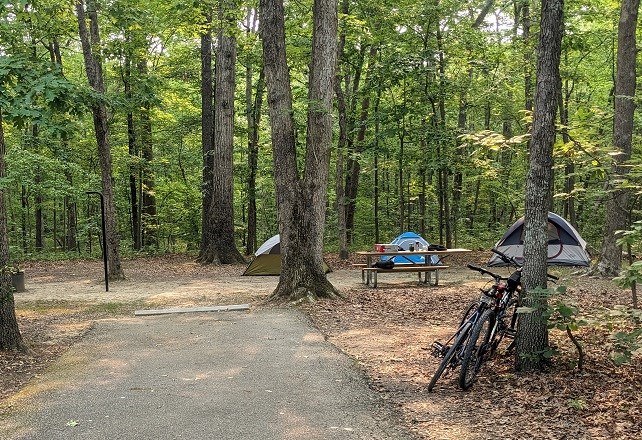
<point x="134" y="169"/>
<point x="207" y="134"/>
<point x="301" y="202"/>
<point x="462" y="121"/>
<point x="95" y="77"/>
<point x="38" y="199"/>
<point x="253" y="114"/>
<point x="340" y="170"/>
<point x="376" y="179"/>
<point x="569" y="168"/>
<point x="342" y="144"/>
<point x="10" y="337"/>
<point x="71" y="240"/>
<point x="532" y="338"/>
<point x="148" y="222"/>
<point x="218" y="245"/>
<point x="354" y="164"/>
<point x="528" y="61"/>
<point x="616" y="216"/>
<point x="254" y="119"/>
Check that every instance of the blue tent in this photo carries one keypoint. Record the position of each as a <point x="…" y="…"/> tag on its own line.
<point x="404" y="241"/>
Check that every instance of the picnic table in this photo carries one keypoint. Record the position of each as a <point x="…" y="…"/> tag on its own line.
<point x="424" y="267"/>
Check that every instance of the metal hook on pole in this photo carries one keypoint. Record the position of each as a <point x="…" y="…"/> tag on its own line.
<point x="102" y="211"/>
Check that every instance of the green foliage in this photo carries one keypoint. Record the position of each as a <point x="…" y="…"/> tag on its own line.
<point x="33" y="91"/>
<point x="630" y="276"/>
<point x="447" y="98"/>
<point x="626" y="345"/>
<point x="626" y="337"/>
<point x="562" y="312"/>
<point x="578" y="404"/>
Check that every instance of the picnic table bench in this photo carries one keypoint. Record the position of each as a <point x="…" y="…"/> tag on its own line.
<point x="424" y="268"/>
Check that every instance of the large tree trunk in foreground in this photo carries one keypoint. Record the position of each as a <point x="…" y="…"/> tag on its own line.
<point x="94" y="75"/>
<point x="532" y="338"/>
<point x="301" y="202"/>
<point x="10" y="337"/>
<point x="610" y="261"/>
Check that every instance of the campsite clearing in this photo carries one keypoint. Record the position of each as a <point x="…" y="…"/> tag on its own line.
<point x="386" y="331"/>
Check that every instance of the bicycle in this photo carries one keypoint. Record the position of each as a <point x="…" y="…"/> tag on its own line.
<point x="494" y="316"/>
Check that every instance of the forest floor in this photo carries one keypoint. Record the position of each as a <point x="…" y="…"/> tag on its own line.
<point x="388" y="331"/>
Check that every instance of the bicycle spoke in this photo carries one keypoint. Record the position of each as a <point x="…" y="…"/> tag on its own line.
<point x="478" y="348"/>
<point x="451" y="358"/>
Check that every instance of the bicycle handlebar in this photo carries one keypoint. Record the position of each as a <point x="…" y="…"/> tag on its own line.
<point x="505" y="258"/>
<point x="483" y="271"/>
<point x="499" y="277"/>
<point x="509" y="260"/>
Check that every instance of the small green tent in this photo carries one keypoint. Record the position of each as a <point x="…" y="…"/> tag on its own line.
<point x="267" y="259"/>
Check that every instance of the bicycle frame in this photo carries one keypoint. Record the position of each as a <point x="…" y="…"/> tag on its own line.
<point x="480" y="334"/>
<point x="453" y="354"/>
<point x="495" y="298"/>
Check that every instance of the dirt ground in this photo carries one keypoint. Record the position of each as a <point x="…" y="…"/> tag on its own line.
<point x="388" y="331"/>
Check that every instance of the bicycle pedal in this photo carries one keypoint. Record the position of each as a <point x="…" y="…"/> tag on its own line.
<point x="439" y="349"/>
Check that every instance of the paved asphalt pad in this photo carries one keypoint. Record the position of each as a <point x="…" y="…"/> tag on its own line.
<point x="266" y="374"/>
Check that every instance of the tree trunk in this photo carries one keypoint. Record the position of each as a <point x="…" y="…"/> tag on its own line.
<point x="24" y="204"/>
<point x="301" y="203"/>
<point x="341" y="148"/>
<point x="440" y="125"/>
<point x="569" y="168"/>
<point x="254" y="120"/>
<point x="462" y="121"/>
<point x="10" y="337"/>
<point x="95" y="77"/>
<point x="354" y="164"/>
<point x="38" y="199"/>
<point x="253" y="114"/>
<point x="448" y="231"/>
<point x="532" y="338"/>
<point x="219" y="246"/>
<point x="134" y="169"/>
<point x="148" y="194"/>
<point x="342" y="145"/>
<point x="207" y="133"/>
<point x="528" y="62"/>
<point x="400" y="174"/>
<point x="71" y="239"/>
<point x="610" y="261"/>
<point x="376" y="178"/>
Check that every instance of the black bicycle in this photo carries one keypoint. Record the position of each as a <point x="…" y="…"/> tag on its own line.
<point x="494" y="316"/>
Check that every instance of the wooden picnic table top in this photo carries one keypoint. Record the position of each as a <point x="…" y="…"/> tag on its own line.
<point x="408" y="253"/>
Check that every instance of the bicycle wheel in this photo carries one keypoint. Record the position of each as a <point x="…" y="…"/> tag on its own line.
<point x="476" y="349"/>
<point x="508" y="327"/>
<point x="459" y="340"/>
<point x="469" y="312"/>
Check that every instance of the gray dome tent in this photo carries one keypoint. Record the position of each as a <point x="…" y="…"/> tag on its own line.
<point x="565" y="246"/>
<point x="267" y="259"/>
